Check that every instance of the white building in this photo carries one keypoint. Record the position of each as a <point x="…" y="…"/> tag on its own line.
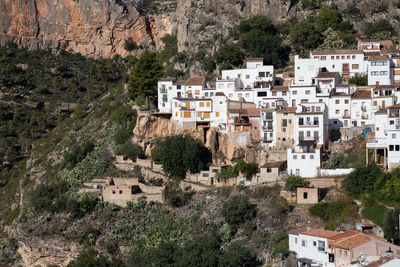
<point x="312" y="247"/>
<point x="379" y="70"/>
<point x="347" y="62"/>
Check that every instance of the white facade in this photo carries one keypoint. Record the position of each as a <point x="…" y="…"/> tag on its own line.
<point x="379" y="70"/>
<point x="311" y="247"/>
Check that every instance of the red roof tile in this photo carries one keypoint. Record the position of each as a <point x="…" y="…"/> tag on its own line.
<point x="362" y="94"/>
<point x="199" y="80"/>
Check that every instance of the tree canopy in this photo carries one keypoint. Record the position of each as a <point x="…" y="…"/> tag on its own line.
<point x="304" y="36"/>
<point x="179" y="154"/>
<point x="238" y="209"/>
<point x="145" y="75"/>
<point x="292" y="182"/>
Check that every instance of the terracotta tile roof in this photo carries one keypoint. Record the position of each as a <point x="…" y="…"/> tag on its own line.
<point x="253" y="112"/>
<point x="380" y="57"/>
<point x="287" y="110"/>
<point x="180" y="83"/>
<point x="255" y="59"/>
<point x="395" y="106"/>
<point x="327" y="74"/>
<point x="361" y="94"/>
<point x="219" y="94"/>
<point x="332" y="52"/>
<point x="390" y="49"/>
<point x="280" y="88"/>
<point x="354" y="241"/>
<point x="381" y="111"/>
<point x="273" y="164"/>
<point x="167" y="79"/>
<point x="199" y="80"/>
<point x="320" y="233"/>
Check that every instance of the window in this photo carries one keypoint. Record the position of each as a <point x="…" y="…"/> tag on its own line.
<point x="305" y="196"/>
<point x="187" y="114"/>
<point x="346" y="101"/>
<point x="394" y="136"/>
<point x="321" y="245"/>
<point x="295" y="240"/>
<point x="345" y="253"/>
<point x="199" y="114"/>
<point x="337" y="57"/>
<point x="391" y="122"/>
<point x="337" y="111"/>
<point x="353" y="57"/>
<point x="284" y="122"/>
<point x="208" y="104"/>
<point x="176" y="114"/>
<point x="314" y="242"/>
<point x="375" y="103"/>
<point x="247" y="95"/>
<point x="303" y="156"/>
<point x="379" y="63"/>
<point x="269" y="170"/>
<point x="383" y="72"/>
<point x="397" y="147"/>
<point x="273" y="93"/>
<point x="348" y="57"/>
<point x="120" y="191"/>
<point x="176" y="104"/>
<point x="216" y="114"/>
<point x="294" y="156"/>
<point x="311" y="156"/>
<point x="261" y="74"/>
<point x="318" y="108"/>
<point x="332" y="57"/>
<point x="304" y="243"/>
<point x="337" y="101"/>
<point x="355" y="66"/>
<point x="333" y="66"/>
<point x="323" y="57"/>
<point x="374" y="73"/>
<point x="343" y="57"/>
<point x="165" y="98"/>
<point x="307" y="92"/>
<point x="284" y="130"/>
<point x="290" y="121"/>
<point x="261" y="93"/>
<point x="113" y="191"/>
<point x="206" y="115"/>
<point x="201" y="104"/>
<point x="283" y="93"/>
<point x="205" y="94"/>
<point x="230" y="95"/>
<point x="294" y="93"/>
<point x="391" y="147"/>
<point x="247" y="76"/>
<point x="197" y="92"/>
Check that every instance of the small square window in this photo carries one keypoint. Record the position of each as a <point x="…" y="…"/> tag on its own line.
<point x="303" y="156"/>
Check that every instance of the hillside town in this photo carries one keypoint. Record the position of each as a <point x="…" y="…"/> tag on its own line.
<point x="303" y="114"/>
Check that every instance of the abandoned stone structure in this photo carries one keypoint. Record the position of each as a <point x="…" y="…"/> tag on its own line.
<point x="119" y="191"/>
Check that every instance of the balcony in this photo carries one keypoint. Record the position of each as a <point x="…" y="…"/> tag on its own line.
<point x="266" y="140"/>
<point x="267" y="128"/>
<point x="308" y="123"/>
<point x="163" y="91"/>
<point x="346" y="70"/>
<point x="364" y="116"/>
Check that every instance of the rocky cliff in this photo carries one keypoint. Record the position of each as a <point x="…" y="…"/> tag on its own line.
<point x="99" y="28"/>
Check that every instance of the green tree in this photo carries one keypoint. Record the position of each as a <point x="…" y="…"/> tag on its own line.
<point x="391" y="224"/>
<point x="181" y="153"/>
<point x="359" y="80"/>
<point x="129" y="150"/>
<point x="203" y="250"/>
<point x="236" y="254"/>
<point x="144" y="78"/>
<point x="361" y="180"/>
<point x="130" y="45"/>
<point x="304" y="37"/>
<point x="332" y="41"/>
<point x="230" y="55"/>
<point x="280" y="240"/>
<point x="379" y="26"/>
<point x="248" y="169"/>
<point x="328" y="18"/>
<point x="292" y="182"/>
<point x="259" y="37"/>
<point x="238" y="209"/>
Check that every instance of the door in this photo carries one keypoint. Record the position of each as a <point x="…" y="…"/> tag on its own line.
<point x="293" y="103"/>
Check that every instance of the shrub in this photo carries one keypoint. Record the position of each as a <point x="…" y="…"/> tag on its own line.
<point x="174" y="196"/>
<point x="130" y="45"/>
<point x="122" y="114"/>
<point x="280" y="240"/>
<point x="335" y="212"/>
<point x="359" y="80"/>
<point x="238" y="209"/>
<point x="361" y="180"/>
<point x="236" y="254"/>
<point x="77" y="154"/>
<point x="391" y="224"/>
<point x="181" y="153"/>
<point x="328" y="18"/>
<point x="129" y="150"/>
<point x="292" y="182"/>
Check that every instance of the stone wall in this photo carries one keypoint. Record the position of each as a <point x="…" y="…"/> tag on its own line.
<point x="307" y="195"/>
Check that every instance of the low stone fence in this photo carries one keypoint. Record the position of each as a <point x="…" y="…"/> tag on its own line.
<point x="325" y="182"/>
<point x="335" y="172"/>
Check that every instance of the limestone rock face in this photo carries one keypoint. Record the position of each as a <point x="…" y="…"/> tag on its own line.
<point x="39" y="252"/>
<point x="99" y="28"/>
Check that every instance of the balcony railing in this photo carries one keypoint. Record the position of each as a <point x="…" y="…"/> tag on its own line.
<point x="163" y="91"/>
<point x="266" y="140"/>
<point x="364" y="116"/>
<point x="309" y="123"/>
<point x="266" y="128"/>
<point x="346" y="70"/>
